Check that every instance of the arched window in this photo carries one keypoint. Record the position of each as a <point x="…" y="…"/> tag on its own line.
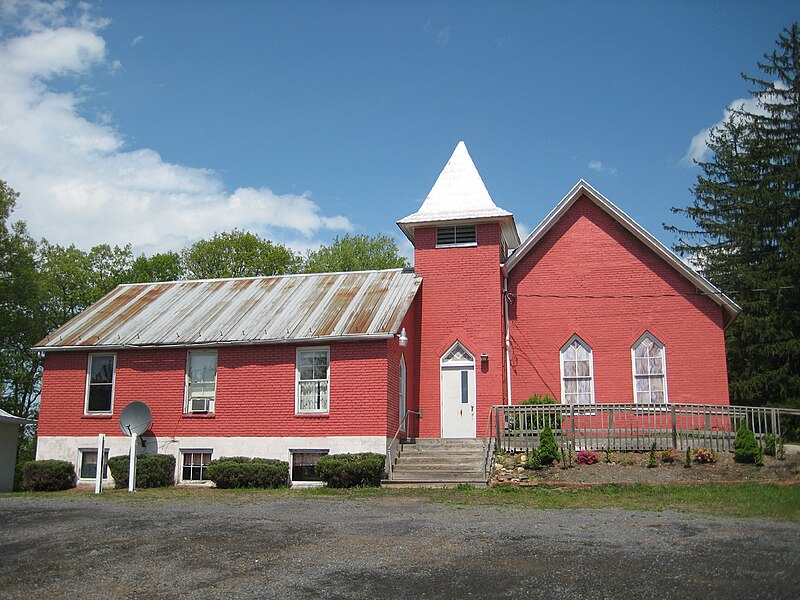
<point x="403" y="392"/>
<point x="649" y="371"/>
<point x="577" y="373"/>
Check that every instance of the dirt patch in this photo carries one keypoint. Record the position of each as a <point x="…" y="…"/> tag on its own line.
<point x="631" y="467"/>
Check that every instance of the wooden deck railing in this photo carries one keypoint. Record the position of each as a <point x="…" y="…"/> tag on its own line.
<point x="629" y="427"/>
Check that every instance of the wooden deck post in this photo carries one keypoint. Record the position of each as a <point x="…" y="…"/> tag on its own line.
<point x="674" y="428"/>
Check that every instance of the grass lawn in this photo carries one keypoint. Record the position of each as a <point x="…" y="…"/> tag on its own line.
<point x="781" y="503"/>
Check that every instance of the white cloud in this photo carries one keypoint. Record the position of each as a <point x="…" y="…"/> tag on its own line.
<point x="443" y="37"/>
<point x="523" y="230"/>
<point x="137" y="40"/>
<point x="599" y="167"/>
<point x="78" y="179"/>
<point x="698" y="147"/>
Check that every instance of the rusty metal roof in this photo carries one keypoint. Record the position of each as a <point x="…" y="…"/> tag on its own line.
<point x="325" y="306"/>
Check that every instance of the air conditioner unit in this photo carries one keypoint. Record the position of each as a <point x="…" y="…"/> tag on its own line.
<point x="198" y="405"/>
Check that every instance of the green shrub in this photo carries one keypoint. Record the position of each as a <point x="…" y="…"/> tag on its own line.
<point x="48" y="475"/>
<point x="152" y="470"/>
<point x="745" y="446"/>
<point x="351" y="470"/>
<point x="548" y="449"/>
<point x="244" y="472"/>
<point x="533" y="460"/>
<point x="652" y="461"/>
<point x="769" y="445"/>
<point x="537" y="422"/>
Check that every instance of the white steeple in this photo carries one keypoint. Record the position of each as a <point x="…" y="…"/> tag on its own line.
<point x="459" y="194"/>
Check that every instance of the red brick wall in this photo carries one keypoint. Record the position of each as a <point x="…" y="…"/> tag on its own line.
<point x="411" y="354"/>
<point x="255" y="393"/>
<point x="461" y="301"/>
<point x="588" y="253"/>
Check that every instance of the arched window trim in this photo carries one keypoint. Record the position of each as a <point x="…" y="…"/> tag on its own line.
<point x="467" y="362"/>
<point x="649" y="336"/>
<point x="403" y="398"/>
<point x="565" y="377"/>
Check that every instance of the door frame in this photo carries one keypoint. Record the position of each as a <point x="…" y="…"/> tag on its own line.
<point x="458" y="365"/>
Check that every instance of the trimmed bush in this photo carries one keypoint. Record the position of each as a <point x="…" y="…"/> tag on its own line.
<point x="243" y="472"/>
<point x="48" y="475"/>
<point x="548" y="449"/>
<point x="351" y="470"/>
<point x="152" y="470"/>
<point x="745" y="446"/>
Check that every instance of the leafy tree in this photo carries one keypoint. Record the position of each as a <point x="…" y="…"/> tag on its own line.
<point x="21" y="325"/>
<point x="159" y="267"/>
<point x="745" y="236"/>
<point x="237" y="254"/>
<point x="355" y="253"/>
<point x="72" y="279"/>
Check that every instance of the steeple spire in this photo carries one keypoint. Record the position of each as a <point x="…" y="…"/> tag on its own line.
<point x="459" y="194"/>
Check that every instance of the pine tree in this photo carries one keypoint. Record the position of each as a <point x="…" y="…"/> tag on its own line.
<point x="745" y="238"/>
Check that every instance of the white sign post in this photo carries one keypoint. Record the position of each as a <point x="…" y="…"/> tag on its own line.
<point x="101" y="463"/>
<point x="134" y="420"/>
<point x="132" y="469"/>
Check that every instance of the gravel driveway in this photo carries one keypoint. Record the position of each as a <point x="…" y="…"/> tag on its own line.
<point x="395" y="546"/>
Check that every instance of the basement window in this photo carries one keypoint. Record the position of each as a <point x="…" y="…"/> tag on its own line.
<point x="458" y="235"/>
<point x="88" y="464"/>
<point x="304" y="463"/>
<point x="195" y="464"/>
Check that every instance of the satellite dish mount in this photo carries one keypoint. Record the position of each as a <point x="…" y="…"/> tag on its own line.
<point x="134" y="420"/>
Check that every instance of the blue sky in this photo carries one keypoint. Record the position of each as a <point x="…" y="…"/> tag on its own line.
<point x="159" y="123"/>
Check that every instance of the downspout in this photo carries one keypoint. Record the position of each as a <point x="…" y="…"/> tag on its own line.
<point x="508" y="340"/>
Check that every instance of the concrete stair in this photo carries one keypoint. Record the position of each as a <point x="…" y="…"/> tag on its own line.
<point x="443" y="462"/>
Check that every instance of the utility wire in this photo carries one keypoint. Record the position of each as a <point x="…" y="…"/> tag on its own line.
<point x="637" y="296"/>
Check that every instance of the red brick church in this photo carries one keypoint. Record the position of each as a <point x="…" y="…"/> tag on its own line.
<point x="589" y="308"/>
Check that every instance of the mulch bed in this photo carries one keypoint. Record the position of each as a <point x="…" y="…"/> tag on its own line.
<point x="630" y="468"/>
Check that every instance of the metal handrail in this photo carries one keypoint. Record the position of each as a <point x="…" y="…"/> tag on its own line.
<point x="628" y="426"/>
<point x="390" y="449"/>
<point x="488" y="445"/>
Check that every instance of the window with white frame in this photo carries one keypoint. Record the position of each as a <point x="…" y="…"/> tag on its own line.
<point x="195" y="465"/>
<point x="100" y="383"/>
<point x="458" y="235"/>
<point x="649" y="371"/>
<point x="201" y="381"/>
<point x="577" y="377"/>
<point x="87" y="468"/>
<point x="403" y="392"/>
<point x="313" y="377"/>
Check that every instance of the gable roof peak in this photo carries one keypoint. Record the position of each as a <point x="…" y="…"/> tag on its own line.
<point x="584" y="189"/>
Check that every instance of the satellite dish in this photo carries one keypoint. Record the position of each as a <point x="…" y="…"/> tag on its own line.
<point x="135" y="418"/>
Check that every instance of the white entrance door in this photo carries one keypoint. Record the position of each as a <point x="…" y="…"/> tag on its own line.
<point x="458" y="393"/>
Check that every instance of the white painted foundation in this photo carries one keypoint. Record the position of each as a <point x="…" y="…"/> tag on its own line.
<point x="68" y="447"/>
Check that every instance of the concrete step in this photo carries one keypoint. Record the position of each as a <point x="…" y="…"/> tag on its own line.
<point x="433" y="484"/>
<point x="435" y="442"/>
<point x="437" y="468"/>
<point x="431" y="461"/>
<point x="417" y="453"/>
<point x="457" y="476"/>
<point x="426" y="459"/>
